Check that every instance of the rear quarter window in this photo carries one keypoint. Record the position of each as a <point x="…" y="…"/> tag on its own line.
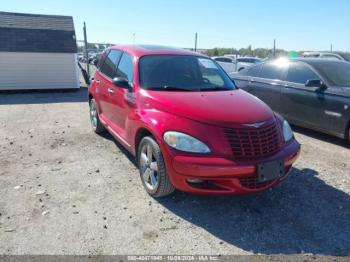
<point x="102" y="59"/>
<point x="126" y="68"/>
<point x="108" y="67"/>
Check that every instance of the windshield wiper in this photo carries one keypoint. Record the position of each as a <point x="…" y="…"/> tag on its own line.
<point x="215" y="88"/>
<point x="169" y="88"/>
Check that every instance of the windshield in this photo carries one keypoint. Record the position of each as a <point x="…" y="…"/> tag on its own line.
<point x="337" y="73"/>
<point x="182" y="73"/>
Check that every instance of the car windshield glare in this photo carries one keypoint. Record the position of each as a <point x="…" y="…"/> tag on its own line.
<point x="182" y="73"/>
<point x="337" y="73"/>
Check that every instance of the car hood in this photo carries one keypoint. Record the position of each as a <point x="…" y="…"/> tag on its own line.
<point x="222" y="108"/>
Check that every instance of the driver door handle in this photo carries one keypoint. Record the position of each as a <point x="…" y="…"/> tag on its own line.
<point x="110" y="90"/>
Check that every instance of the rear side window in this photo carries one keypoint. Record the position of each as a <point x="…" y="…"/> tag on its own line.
<point x="300" y="73"/>
<point x="271" y="71"/>
<point x="224" y="59"/>
<point x="248" y="60"/>
<point x="109" y="65"/>
<point x="126" y="68"/>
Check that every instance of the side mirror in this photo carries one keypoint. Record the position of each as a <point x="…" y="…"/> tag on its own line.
<point x="315" y="83"/>
<point x="121" y="82"/>
<point x="95" y="62"/>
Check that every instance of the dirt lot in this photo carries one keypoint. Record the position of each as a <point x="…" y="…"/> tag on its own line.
<point x="65" y="190"/>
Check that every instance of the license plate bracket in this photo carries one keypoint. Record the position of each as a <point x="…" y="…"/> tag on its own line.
<point x="270" y="170"/>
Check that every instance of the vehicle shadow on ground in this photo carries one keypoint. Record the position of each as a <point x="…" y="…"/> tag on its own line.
<point x="321" y="136"/>
<point x="302" y="214"/>
<point x="122" y="149"/>
<point x="43" y="96"/>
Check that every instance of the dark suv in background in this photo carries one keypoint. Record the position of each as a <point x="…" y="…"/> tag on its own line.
<point x="309" y="92"/>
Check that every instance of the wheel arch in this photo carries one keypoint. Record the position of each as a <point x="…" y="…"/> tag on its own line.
<point x="141" y="133"/>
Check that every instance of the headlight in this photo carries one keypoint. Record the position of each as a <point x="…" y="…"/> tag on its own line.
<point x="287" y="131"/>
<point x="183" y="142"/>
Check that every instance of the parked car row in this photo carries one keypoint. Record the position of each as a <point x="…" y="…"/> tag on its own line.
<point x="310" y="92"/>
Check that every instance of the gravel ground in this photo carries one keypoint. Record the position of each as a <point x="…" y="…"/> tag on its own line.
<point x="65" y="190"/>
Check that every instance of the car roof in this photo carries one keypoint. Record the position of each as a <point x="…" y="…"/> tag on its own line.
<point x="143" y="50"/>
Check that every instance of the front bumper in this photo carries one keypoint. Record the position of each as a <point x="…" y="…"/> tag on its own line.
<point x="221" y="176"/>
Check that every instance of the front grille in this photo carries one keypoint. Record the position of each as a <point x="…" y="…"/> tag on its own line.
<point x="254" y="142"/>
<point x="252" y="182"/>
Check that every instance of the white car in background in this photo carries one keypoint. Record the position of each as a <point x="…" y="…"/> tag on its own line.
<point x="227" y="63"/>
<point x="230" y="64"/>
<point x="245" y="62"/>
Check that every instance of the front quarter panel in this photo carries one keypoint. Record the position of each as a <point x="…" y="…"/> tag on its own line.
<point x="158" y="122"/>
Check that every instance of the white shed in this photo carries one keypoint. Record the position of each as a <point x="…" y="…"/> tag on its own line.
<point x="37" y="52"/>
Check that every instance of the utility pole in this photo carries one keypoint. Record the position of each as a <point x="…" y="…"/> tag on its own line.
<point x="274" y="48"/>
<point x="195" y="42"/>
<point x="331" y="47"/>
<point x="86" y="52"/>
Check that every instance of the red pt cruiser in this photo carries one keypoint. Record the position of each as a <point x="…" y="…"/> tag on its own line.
<point x="187" y="124"/>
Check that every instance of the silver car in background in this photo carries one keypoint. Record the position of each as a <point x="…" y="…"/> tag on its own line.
<point x="343" y="56"/>
<point x="232" y="64"/>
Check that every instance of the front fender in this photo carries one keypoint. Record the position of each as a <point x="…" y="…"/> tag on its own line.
<point x="158" y="122"/>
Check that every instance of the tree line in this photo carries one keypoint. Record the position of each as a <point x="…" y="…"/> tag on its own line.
<point x="249" y="51"/>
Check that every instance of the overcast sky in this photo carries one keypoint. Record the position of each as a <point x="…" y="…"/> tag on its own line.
<point x="295" y="24"/>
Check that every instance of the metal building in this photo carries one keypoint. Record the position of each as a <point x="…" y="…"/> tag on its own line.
<point x="37" y="52"/>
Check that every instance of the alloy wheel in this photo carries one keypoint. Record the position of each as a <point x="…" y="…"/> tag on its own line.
<point x="149" y="167"/>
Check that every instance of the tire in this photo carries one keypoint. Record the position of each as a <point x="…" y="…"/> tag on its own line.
<point x="153" y="172"/>
<point x="95" y="119"/>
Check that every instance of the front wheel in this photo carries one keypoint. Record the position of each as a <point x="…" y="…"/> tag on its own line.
<point x="152" y="169"/>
